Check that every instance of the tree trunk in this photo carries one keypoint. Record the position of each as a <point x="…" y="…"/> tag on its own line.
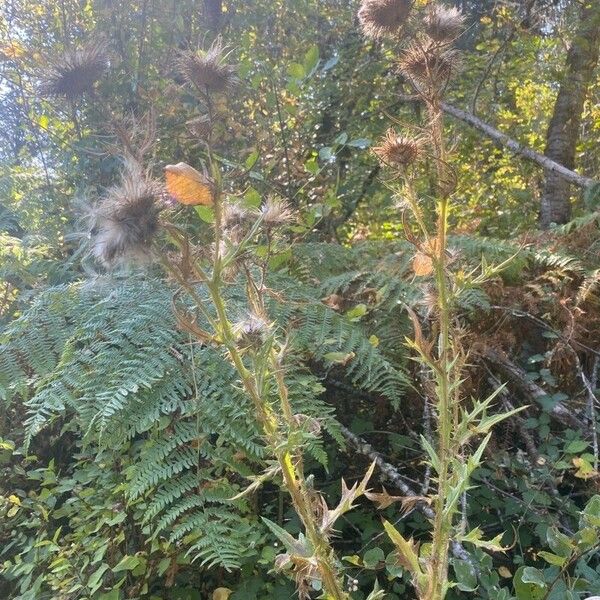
<point x="563" y="132"/>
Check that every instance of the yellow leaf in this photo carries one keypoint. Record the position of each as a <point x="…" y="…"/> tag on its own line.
<point x="188" y="186"/>
<point x="584" y="469"/>
<point x="504" y="572"/>
<point x="221" y="593"/>
<point x="14" y="499"/>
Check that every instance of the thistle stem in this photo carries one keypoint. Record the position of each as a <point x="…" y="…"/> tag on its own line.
<point x="442" y="527"/>
<point x="291" y="470"/>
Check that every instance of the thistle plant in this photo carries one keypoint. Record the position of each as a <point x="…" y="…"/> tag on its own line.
<point x="428" y="61"/>
<point x="125" y="226"/>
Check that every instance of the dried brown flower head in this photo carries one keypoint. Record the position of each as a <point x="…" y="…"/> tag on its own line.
<point x="383" y="17"/>
<point x="236" y="221"/>
<point x="126" y="220"/>
<point x="75" y="72"/>
<point x="427" y="64"/>
<point x="200" y="127"/>
<point x="444" y="24"/>
<point x="397" y="150"/>
<point x="208" y="70"/>
<point x="276" y="212"/>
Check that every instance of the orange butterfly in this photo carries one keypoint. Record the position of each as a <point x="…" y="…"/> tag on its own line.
<point x="188" y="186"/>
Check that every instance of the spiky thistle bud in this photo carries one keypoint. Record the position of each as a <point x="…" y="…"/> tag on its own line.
<point x="426" y="64"/>
<point x="444" y="24"/>
<point x="383" y="17"/>
<point x="208" y="70"/>
<point x="276" y="212"/>
<point x="125" y="222"/>
<point x="397" y="150"/>
<point x="75" y="72"/>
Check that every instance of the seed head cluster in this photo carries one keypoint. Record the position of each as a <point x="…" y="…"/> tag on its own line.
<point x="444" y="24"/>
<point x="276" y="212"/>
<point x="208" y="70"/>
<point x="75" y="72"/>
<point x="379" y="18"/>
<point x="126" y="221"/>
<point x="424" y="62"/>
<point x="236" y="221"/>
<point x="397" y="150"/>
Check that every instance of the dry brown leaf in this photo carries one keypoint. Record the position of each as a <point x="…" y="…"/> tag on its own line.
<point x="422" y="264"/>
<point x="383" y="499"/>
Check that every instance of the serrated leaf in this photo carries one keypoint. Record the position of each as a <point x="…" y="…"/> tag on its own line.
<point x="406" y="549"/>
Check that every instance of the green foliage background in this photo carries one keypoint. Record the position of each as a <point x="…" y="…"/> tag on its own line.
<point x="121" y="441"/>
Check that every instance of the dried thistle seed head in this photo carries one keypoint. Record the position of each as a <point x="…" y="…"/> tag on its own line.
<point x="428" y="64"/>
<point x="234" y="215"/>
<point x="430" y="300"/>
<point x="251" y="332"/>
<point x="236" y="221"/>
<point x="276" y="212"/>
<point x="200" y="127"/>
<point x="75" y="72"/>
<point x="127" y="219"/>
<point x="208" y="69"/>
<point x="383" y="17"/>
<point x="397" y="150"/>
<point x="444" y="24"/>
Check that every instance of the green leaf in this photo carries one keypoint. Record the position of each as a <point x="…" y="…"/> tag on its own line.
<point x="533" y="575"/>
<point x="576" y="446"/>
<point x="528" y="590"/>
<point x="127" y="563"/>
<point x="326" y="154"/>
<point x="475" y="537"/>
<point x="293" y="545"/>
<point x="358" y="311"/>
<point x="339" y="357"/>
<point x="433" y="457"/>
<point x="591" y="513"/>
<point x="553" y="559"/>
<point x="311" y="59"/>
<point x="112" y="595"/>
<point x="465" y="575"/>
<point x="206" y="213"/>
<point x="252" y="198"/>
<point x="341" y="139"/>
<point x="251" y="160"/>
<point x="296" y="70"/>
<point x="311" y="166"/>
<point x="407" y="555"/>
<point x="373" y="557"/>
<point x="361" y="143"/>
<point x="559" y="543"/>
